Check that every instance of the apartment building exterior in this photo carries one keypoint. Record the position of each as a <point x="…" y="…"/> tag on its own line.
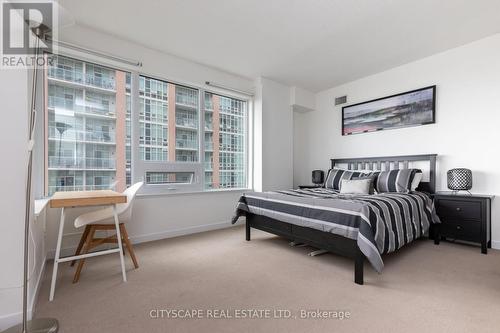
<point x="86" y="126"/>
<point x="225" y="142"/>
<point x="89" y="129"/>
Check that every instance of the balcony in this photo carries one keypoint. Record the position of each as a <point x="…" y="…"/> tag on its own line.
<point x="100" y="82"/>
<point x="186" y="156"/>
<point x="186" y="97"/>
<point x="187" y="123"/>
<point x="209" y="145"/>
<point x="100" y="111"/>
<point x="64" y="103"/>
<point x="187" y="144"/>
<point x="63" y="74"/>
<point x="62" y="188"/>
<point x="56" y="162"/>
<point x="64" y="162"/>
<point x="100" y="163"/>
<point x="80" y="135"/>
<point x="56" y="102"/>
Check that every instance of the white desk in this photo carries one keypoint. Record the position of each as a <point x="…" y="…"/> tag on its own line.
<point x="65" y="200"/>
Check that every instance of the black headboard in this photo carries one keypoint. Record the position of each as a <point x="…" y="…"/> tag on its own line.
<point x="393" y="162"/>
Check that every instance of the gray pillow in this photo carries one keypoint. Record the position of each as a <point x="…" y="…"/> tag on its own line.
<point x="395" y="180"/>
<point x="372" y="178"/>
<point x="355" y="186"/>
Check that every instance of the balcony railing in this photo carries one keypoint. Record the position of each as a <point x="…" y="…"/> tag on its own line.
<point x="209" y="145"/>
<point x="101" y="111"/>
<point x="187" y="123"/>
<point x="66" y="75"/>
<point x="66" y="162"/>
<point x="81" y="163"/>
<point x="191" y="144"/>
<point x="60" y="188"/>
<point x="100" y="163"/>
<point x="100" y="82"/>
<point x="61" y="102"/>
<point x="208" y="166"/>
<point x="79" y="135"/>
<point x="69" y="104"/>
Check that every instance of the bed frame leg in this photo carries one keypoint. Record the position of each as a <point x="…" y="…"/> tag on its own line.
<point x="437" y="234"/>
<point x="247" y="230"/>
<point x="358" y="268"/>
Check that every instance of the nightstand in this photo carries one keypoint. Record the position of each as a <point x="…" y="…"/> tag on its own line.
<point x="465" y="217"/>
<point x="310" y="186"/>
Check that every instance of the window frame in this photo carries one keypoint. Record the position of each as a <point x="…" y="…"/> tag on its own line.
<point x="139" y="167"/>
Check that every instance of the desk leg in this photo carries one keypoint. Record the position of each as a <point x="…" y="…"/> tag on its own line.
<point x="119" y="239"/>
<point x="57" y="256"/>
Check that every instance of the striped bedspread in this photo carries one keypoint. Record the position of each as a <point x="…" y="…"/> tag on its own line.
<point x="380" y="223"/>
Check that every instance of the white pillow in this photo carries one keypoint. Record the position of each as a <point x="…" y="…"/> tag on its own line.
<point x="416" y="181"/>
<point x="355" y="186"/>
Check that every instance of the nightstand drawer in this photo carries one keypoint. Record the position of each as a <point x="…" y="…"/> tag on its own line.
<point x="469" y="230"/>
<point x="460" y="209"/>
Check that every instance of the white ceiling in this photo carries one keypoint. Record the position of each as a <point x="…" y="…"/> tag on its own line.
<point x="313" y="44"/>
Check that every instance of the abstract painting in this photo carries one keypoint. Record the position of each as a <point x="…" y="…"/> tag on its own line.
<point x="411" y="108"/>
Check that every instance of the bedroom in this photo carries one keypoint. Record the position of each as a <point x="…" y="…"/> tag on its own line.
<point x="260" y="81"/>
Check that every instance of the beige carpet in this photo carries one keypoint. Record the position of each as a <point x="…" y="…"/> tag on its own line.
<point x="423" y="288"/>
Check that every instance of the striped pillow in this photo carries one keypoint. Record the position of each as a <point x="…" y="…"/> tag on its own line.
<point x="395" y="180"/>
<point x="335" y="176"/>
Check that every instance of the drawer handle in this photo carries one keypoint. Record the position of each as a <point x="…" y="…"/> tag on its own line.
<point x="459" y="209"/>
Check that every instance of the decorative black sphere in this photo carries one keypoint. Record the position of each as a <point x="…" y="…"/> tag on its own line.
<point x="459" y="179"/>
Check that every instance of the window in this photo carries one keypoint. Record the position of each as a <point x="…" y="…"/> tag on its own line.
<point x="169" y="177"/>
<point x="225" y="142"/>
<point x="168" y="142"/>
<point x="108" y="128"/>
<point x="88" y="134"/>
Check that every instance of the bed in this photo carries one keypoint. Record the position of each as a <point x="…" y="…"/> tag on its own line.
<point x="361" y="227"/>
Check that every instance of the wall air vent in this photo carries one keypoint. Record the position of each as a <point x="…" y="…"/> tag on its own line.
<point x="340" y="100"/>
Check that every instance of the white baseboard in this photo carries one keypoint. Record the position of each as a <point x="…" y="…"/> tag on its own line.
<point x="12" y="319"/>
<point x="495" y="245"/>
<point x="38" y="285"/>
<point x="179" y="232"/>
<point x="156" y="236"/>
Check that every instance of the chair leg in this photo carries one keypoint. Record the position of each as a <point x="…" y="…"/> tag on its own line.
<point x="86" y="249"/>
<point x="129" y="245"/>
<point x="82" y="241"/>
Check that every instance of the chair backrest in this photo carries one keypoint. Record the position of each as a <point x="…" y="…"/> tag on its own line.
<point x="125" y="210"/>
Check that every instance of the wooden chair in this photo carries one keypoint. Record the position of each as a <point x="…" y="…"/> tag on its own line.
<point x="102" y="220"/>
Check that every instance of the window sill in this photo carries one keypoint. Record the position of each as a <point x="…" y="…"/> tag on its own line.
<point x="174" y="193"/>
<point x="40" y="205"/>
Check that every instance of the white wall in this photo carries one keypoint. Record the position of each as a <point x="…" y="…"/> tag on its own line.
<point x="274" y="117"/>
<point x="466" y="133"/>
<point x="14" y="88"/>
<point x="302" y="100"/>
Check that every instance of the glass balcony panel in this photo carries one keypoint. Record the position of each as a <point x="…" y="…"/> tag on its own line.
<point x="100" y="163"/>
